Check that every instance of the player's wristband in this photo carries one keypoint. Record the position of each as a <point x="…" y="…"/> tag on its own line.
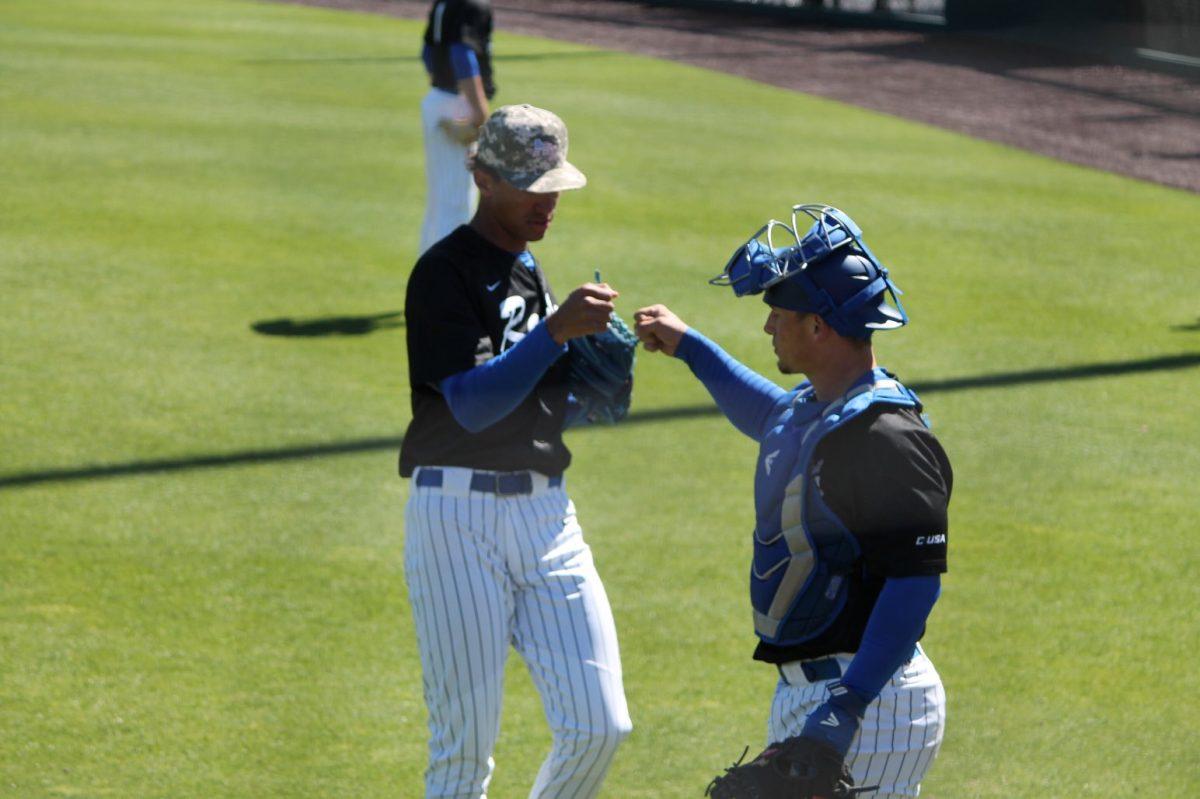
<point x="836" y="721"/>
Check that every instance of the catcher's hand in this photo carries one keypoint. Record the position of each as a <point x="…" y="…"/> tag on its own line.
<point x="600" y="372"/>
<point x="659" y="329"/>
<point x="797" y="768"/>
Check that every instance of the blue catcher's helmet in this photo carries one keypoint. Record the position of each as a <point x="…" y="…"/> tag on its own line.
<point x="829" y="271"/>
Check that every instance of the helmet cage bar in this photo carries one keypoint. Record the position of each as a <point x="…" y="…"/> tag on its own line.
<point x="754" y="257"/>
<point x="820" y="213"/>
<point x="759" y="264"/>
<point x="766" y="264"/>
<point x="822" y="246"/>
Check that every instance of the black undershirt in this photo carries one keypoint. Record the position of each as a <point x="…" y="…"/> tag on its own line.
<point x="888" y="479"/>
<point x="467" y="301"/>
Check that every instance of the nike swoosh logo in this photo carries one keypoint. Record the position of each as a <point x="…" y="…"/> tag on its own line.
<point x="494" y="286"/>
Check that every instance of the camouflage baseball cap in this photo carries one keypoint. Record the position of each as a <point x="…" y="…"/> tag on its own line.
<point x="527" y="147"/>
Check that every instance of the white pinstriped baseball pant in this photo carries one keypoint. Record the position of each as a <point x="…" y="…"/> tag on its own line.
<point x="485" y="572"/>
<point x="450" y="188"/>
<point x="901" y="730"/>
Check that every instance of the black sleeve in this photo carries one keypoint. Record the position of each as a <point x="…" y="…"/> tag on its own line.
<point x="445" y="328"/>
<point x="889" y="480"/>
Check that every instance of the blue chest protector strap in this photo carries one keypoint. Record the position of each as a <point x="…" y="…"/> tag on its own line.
<point x="802" y="550"/>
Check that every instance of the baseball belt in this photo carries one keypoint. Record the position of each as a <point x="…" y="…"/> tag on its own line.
<point x="500" y="483"/>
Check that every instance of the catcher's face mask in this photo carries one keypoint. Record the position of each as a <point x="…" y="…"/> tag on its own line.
<point x="829" y="271"/>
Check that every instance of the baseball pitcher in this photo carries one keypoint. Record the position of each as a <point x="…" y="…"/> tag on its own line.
<point x="494" y="552"/>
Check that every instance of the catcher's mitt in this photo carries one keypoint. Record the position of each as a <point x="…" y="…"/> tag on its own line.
<point x="600" y="372"/>
<point x="797" y="768"/>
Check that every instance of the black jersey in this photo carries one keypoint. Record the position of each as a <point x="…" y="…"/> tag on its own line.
<point x="467" y="22"/>
<point x="468" y="301"/>
<point x="888" y="479"/>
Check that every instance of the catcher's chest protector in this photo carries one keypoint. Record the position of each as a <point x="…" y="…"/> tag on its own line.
<point x="802" y="551"/>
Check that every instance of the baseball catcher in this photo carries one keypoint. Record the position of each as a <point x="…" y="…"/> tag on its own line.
<point x="851" y="490"/>
<point x="600" y="373"/>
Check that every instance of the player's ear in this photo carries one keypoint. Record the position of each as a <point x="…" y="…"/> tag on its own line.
<point x="820" y="328"/>
<point x="483" y="180"/>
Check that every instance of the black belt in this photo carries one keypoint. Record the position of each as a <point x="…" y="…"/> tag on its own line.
<point x="501" y="483"/>
<point x="817" y="670"/>
<point x="827" y="668"/>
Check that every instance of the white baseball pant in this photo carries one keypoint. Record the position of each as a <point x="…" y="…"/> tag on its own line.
<point x="485" y="572"/>
<point x="450" y="188"/>
<point x="901" y="730"/>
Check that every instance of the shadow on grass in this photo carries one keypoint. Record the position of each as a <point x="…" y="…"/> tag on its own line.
<point x="1082" y="372"/>
<point x="329" y="325"/>
<point x="362" y="59"/>
<point x="201" y="462"/>
<point x="389" y="59"/>
<point x="1000" y="380"/>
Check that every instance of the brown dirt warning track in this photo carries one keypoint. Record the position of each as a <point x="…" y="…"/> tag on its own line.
<point x="1067" y="105"/>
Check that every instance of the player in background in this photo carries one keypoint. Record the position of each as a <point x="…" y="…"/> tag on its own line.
<point x="494" y="553"/>
<point x="457" y="56"/>
<point x="851" y="492"/>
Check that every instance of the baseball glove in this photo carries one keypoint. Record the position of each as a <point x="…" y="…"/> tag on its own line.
<point x="797" y="768"/>
<point x="600" y="372"/>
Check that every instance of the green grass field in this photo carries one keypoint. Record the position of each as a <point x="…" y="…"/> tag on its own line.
<point x="201" y="589"/>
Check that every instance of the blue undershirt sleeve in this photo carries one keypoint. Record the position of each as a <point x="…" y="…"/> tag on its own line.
<point x="482" y="396"/>
<point x="746" y="398"/>
<point x="427" y="57"/>
<point x="892" y="631"/>
<point x="464" y="61"/>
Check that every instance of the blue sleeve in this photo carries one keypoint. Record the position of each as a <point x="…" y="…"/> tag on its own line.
<point x="485" y="394"/>
<point x="427" y="57"/>
<point x="892" y="631"/>
<point x="746" y="398"/>
<point x="464" y="61"/>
